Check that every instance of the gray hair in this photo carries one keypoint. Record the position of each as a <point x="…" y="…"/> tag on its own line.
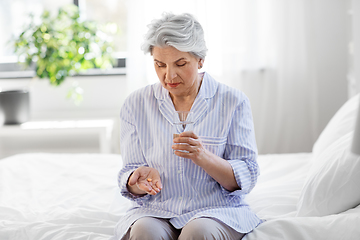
<point x="182" y="32"/>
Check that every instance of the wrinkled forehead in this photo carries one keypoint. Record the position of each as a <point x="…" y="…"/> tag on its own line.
<point x="171" y="54"/>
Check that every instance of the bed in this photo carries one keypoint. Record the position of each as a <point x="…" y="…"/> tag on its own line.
<point x="74" y="196"/>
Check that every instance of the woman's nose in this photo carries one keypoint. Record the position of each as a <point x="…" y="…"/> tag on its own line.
<point x="170" y="74"/>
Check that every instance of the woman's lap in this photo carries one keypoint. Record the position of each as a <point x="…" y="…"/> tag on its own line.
<point x="150" y="228"/>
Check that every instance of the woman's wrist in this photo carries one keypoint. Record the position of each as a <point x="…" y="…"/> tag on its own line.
<point x="219" y="169"/>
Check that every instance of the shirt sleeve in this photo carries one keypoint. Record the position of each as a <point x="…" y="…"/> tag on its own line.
<point x="241" y="150"/>
<point x="131" y="153"/>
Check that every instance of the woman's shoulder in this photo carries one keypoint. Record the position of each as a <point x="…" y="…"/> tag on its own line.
<point x="137" y="102"/>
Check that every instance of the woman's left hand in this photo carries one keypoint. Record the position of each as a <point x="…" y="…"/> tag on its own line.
<point x="189" y="142"/>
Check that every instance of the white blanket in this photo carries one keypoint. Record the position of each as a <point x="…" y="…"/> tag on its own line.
<point x="75" y="196"/>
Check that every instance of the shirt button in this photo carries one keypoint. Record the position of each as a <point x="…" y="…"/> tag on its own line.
<point x="179" y="171"/>
<point x="180" y="198"/>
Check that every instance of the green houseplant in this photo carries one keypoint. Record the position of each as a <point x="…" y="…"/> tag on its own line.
<point x="63" y="45"/>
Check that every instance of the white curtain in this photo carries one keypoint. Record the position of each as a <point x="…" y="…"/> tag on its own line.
<point x="258" y="46"/>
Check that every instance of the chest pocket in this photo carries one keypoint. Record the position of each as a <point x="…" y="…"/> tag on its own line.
<point x="215" y="145"/>
<point x="202" y="183"/>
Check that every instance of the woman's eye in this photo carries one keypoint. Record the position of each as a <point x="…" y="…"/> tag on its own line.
<point x="160" y="65"/>
<point x="164" y="65"/>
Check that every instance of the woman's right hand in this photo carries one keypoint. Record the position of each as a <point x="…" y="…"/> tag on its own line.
<point x="145" y="180"/>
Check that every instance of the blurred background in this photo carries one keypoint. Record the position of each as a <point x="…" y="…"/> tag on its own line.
<point x="298" y="61"/>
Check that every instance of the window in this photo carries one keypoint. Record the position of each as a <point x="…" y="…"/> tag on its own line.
<point x="14" y="15"/>
<point x="107" y="11"/>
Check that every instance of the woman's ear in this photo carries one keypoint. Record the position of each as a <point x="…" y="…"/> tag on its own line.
<point x="201" y="63"/>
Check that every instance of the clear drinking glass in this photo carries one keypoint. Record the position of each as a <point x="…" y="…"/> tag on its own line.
<point x="182" y="121"/>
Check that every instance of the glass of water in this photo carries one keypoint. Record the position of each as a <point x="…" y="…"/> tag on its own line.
<point x="183" y="121"/>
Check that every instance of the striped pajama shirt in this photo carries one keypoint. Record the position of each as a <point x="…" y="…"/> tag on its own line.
<point x="223" y="121"/>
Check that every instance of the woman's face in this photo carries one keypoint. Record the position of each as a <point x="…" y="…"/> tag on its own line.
<point x="177" y="71"/>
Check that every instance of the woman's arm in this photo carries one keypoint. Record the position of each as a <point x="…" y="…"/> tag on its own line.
<point x="132" y="156"/>
<point x="238" y="169"/>
<point x="218" y="168"/>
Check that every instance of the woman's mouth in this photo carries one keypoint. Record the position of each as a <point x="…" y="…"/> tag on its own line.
<point x="173" y="85"/>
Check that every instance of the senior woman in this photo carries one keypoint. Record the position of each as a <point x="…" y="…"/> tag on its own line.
<point x="196" y="189"/>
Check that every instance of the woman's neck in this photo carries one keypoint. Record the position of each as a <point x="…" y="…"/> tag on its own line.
<point x="185" y="102"/>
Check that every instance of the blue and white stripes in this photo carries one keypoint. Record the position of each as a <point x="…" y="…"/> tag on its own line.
<point x="223" y="121"/>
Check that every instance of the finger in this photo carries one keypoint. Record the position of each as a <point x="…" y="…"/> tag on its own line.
<point x="158" y="184"/>
<point x="184" y="147"/>
<point x="189" y="134"/>
<point x="155" y="185"/>
<point x="133" y="178"/>
<point x="176" y="135"/>
<point x="188" y="155"/>
<point x="188" y="140"/>
<point x="153" y="192"/>
<point x="146" y="187"/>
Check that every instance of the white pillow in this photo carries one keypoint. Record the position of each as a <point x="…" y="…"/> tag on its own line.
<point x="340" y="124"/>
<point x="333" y="182"/>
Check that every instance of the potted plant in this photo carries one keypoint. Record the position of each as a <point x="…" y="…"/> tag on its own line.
<point x="63" y="45"/>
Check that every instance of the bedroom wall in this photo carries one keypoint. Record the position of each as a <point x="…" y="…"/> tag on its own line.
<point x="104" y="95"/>
<point x="355" y="51"/>
<point x="328" y="39"/>
<point x="103" y="98"/>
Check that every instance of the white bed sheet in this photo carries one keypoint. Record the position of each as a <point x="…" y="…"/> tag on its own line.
<point x="59" y="196"/>
<point x="279" y="184"/>
<point x="75" y="196"/>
